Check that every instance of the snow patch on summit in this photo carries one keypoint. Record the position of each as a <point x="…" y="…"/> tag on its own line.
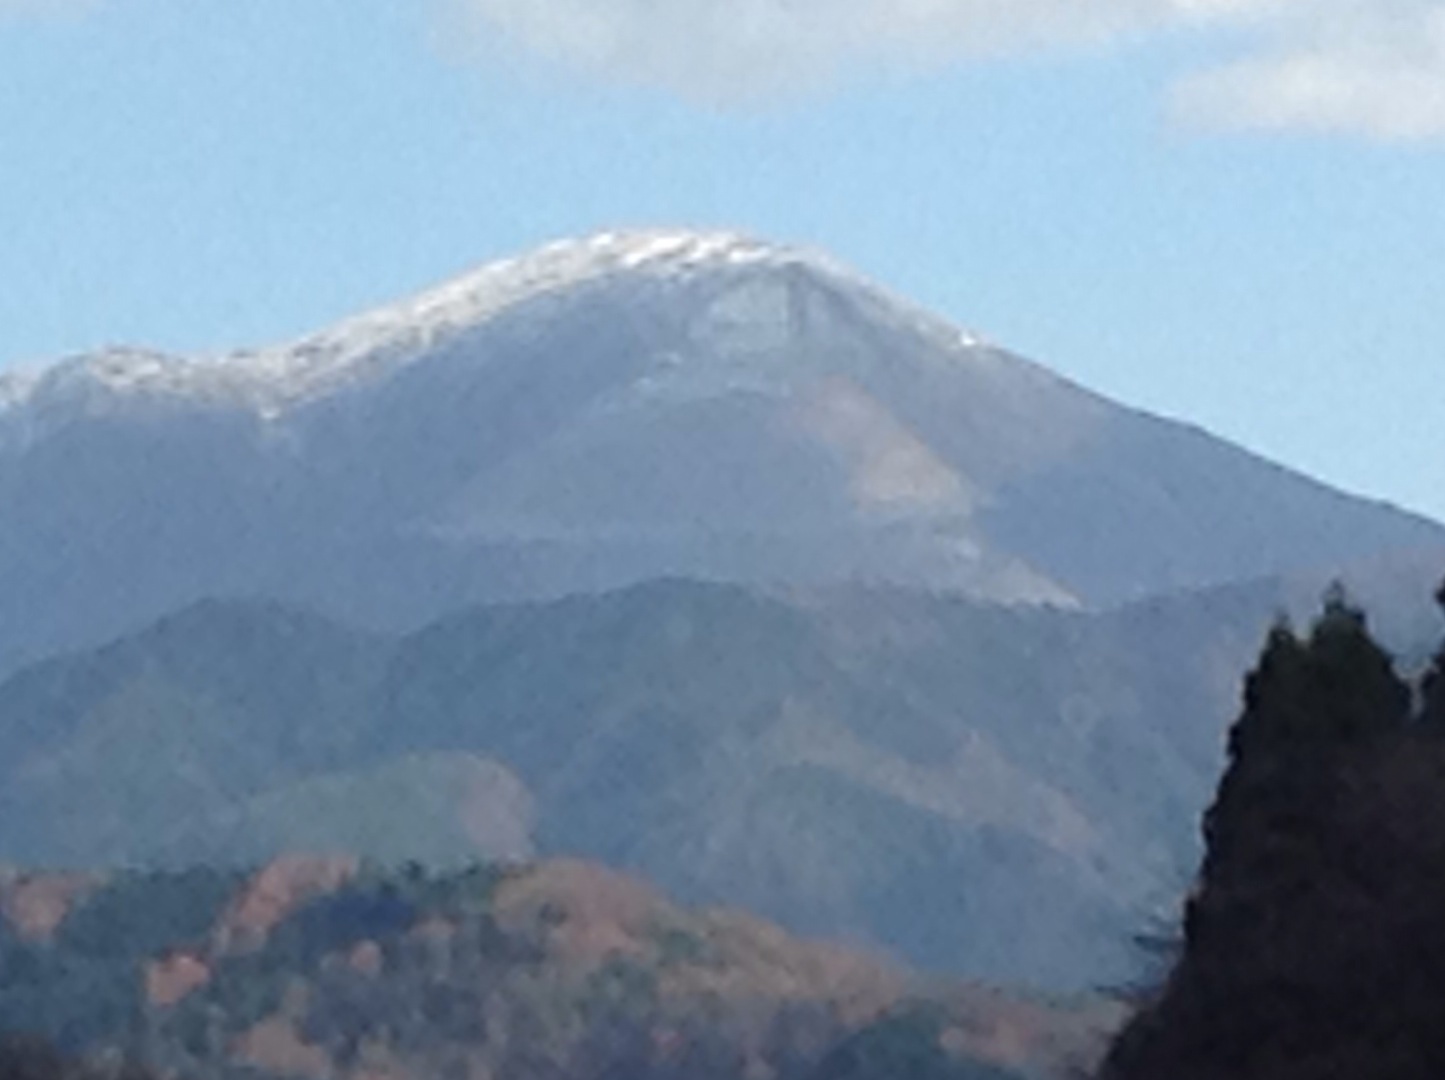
<point x="16" y="387"/>
<point x="416" y="324"/>
<point x="269" y="381"/>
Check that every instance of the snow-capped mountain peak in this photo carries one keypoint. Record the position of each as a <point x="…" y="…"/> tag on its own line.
<point x="610" y="409"/>
<point x="271" y="378"/>
<point x="382" y="336"/>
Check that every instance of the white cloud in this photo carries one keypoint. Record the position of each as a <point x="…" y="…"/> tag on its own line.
<point x="1372" y="68"/>
<point x="742" y="49"/>
<point x="1369" y="67"/>
<point x="1375" y="69"/>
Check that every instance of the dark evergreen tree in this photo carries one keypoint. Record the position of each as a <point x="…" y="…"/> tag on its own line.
<point x="25" y="1057"/>
<point x="1433" y="687"/>
<point x="1305" y="704"/>
<point x="1273" y="715"/>
<point x="1324" y="847"/>
<point x="1337" y="685"/>
<point x="1352" y="689"/>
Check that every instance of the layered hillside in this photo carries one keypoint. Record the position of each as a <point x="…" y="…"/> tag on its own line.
<point x="610" y="410"/>
<point x="1002" y="793"/>
<point x="332" y="970"/>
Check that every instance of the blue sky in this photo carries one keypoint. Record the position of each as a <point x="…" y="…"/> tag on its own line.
<point x="1228" y="211"/>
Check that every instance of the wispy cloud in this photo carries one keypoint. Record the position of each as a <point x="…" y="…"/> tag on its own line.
<point x="1361" y="67"/>
<point x="1371" y="68"/>
<point x="1367" y="67"/>
<point x="737" y="50"/>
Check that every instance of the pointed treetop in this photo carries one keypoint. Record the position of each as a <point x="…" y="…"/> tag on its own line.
<point x="1433" y="686"/>
<point x="1337" y="684"/>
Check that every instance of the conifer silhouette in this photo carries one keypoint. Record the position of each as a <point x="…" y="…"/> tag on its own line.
<point x="1310" y="951"/>
<point x="1433" y="687"/>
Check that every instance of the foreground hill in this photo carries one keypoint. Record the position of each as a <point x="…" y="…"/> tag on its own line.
<point x="1003" y="793"/>
<point x="611" y="410"/>
<point x="325" y="969"/>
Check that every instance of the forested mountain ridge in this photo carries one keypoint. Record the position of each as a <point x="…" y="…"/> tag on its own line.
<point x="994" y="792"/>
<point x="935" y="777"/>
<point x="327" y="969"/>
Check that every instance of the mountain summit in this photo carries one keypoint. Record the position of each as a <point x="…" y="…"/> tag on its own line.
<point x="376" y="343"/>
<point x="614" y="409"/>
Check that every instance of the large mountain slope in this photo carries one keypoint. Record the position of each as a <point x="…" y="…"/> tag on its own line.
<point x="609" y="410"/>
<point x="1001" y="792"/>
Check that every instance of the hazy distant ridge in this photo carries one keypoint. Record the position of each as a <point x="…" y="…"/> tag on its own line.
<point x="999" y="792"/>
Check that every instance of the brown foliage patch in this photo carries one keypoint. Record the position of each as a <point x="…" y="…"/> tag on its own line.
<point x="171" y="980"/>
<point x="275" y="1046"/>
<point x="275" y="893"/>
<point x="763" y="960"/>
<point x="585" y="912"/>
<point x="36" y="905"/>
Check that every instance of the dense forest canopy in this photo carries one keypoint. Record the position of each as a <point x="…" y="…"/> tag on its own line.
<point x="326" y="969"/>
